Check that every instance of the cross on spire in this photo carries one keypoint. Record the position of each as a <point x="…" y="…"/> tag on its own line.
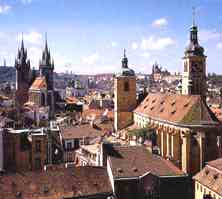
<point x="46" y="43"/>
<point x="22" y="46"/>
<point x="194" y="16"/>
<point x="124" y="53"/>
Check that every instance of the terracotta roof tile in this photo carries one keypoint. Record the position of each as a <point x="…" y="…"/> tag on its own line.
<point x="211" y="176"/>
<point x="39" y="83"/>
<point x="135" y="161"/>
<point x="80" y="131"/>
<point x="97" y="113"/>
<point x="217" y="112"/>
<point x="57" y="184"/>
<point x="181" y="109"/>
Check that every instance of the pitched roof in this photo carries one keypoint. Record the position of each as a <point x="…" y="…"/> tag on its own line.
<point x="217" y="112"/>
<point x="80" y="131"/>
<point x="216" y="164"/>
<point x="97" y="113"/>
<point x="39" y="83"/>
<point x="56" y="184"/>
<point x="180" y="109"/>
<point x="135" y="161"/>
<point x="211" y="176"/>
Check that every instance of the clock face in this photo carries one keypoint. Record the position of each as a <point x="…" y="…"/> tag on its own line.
<point x="197" y="66"/>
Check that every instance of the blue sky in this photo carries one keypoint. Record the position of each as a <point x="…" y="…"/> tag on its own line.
<point x="88" y="36"/>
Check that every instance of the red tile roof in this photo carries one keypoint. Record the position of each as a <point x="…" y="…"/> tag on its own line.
<point x="216" y="164"/>
<point x="80" y="131"/>
<point x="97" y="113"/>
<point x="56" y="184"/>
<point x="181" y="109"/>
<point x="217" y="112"/>
<point x="39" y="83"/>
<point x="135" y="161"/>
<point x="211" y="176"/>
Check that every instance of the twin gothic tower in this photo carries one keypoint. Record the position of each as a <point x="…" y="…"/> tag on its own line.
<point x="25" y="76"/>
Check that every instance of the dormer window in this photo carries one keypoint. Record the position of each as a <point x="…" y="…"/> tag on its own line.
<point x="162" y="102"/>
<point x="173" y="103"/>
<point x="161" y="110"/>
<point x="173" y="112"/>
<point x="153" y="101"/>
<point x="186" y="105"/>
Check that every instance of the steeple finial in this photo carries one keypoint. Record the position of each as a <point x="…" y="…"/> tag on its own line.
<point x="46" y="42"/>
<point x="22" y="45"/>
<point x="124" y="59"/>
<point x="194" y="16"/>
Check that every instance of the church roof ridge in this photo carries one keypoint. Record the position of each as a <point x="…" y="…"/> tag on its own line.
<point x="39" y="83"/>
<point x="179" y="109"/>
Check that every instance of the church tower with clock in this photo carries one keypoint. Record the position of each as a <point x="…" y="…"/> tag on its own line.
<point x="124" y="95"/>
<point x="194" y="73"/>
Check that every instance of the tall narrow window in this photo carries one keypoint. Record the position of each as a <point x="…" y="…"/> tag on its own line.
<point x="38" y="146"/>
<point x="37" y="163"/>
<point x="185" y="66"/>
<point x="126" y="86"/>
<point x="43" y="99"/>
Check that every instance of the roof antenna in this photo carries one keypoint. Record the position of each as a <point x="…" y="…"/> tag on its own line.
<point x="124" y="53"/>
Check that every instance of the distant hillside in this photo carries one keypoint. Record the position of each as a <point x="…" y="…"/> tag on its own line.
<point x="7" y="74"/>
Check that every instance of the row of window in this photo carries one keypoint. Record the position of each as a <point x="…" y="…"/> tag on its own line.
<point x="206" y="191"/>
<point x="141" y="121"/>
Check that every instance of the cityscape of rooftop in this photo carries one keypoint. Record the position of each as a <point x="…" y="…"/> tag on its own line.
<point x="110" y="99"/>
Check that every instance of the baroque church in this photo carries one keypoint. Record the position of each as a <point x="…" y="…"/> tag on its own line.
<point x="32" y="90"/>
<point x="187" y="131"/>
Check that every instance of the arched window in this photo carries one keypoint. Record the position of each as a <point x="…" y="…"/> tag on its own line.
<point x="207" y="196"/>
<point x="185" y="66"/>
<point x="126" y="86"/>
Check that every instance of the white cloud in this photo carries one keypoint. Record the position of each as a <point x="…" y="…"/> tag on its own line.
<point x="134" y="45"/>
<point x="62" y="63"/>
<point x="145" y="55"/>
<point x="219" y="45"/>
<point x="34" y="54"/>
<point x="160" y="23"/>
<point x="4" y="53"/>
<point x="91" y="59"/>
<point x="114" y="44"/>
<point x="156" y="43"/>
<point x="206" y="35"/>
<point x="2" y="35"/>
<point x="31" y="37"/>
<point x="4" y="9"/>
